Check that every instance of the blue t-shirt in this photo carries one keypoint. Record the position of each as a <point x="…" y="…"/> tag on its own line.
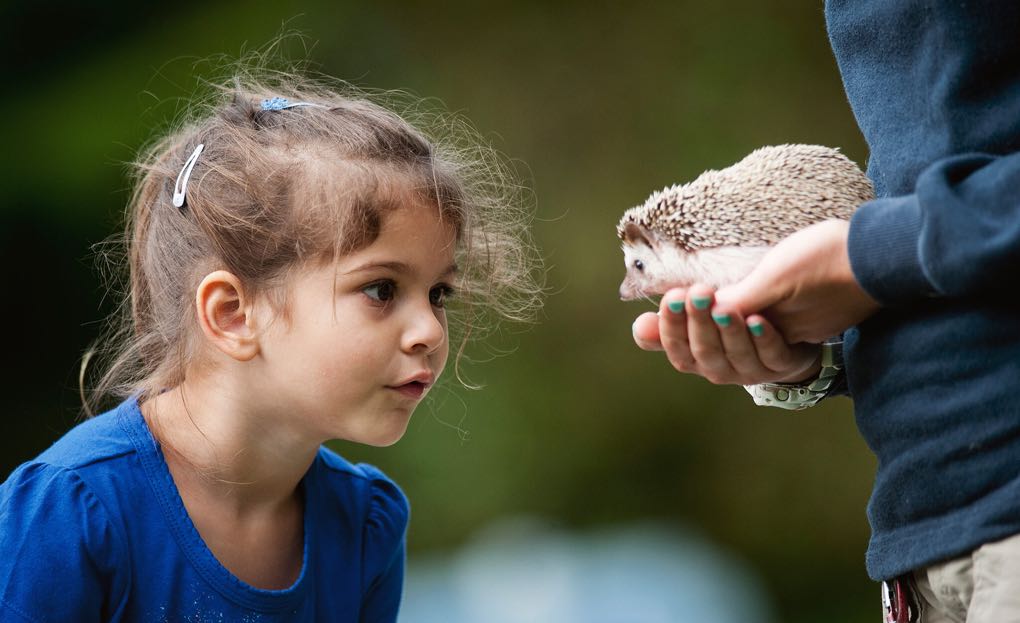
<point x="95" y="530"/>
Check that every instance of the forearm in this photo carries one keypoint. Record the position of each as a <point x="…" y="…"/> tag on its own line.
<point x="957" y="235"/>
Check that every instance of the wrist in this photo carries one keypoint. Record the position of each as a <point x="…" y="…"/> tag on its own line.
<point x="882" y="250"/>
<point x="808" y="392"/>
<point x="805" y="375"/>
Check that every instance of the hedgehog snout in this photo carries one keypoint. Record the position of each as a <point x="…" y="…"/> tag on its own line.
<point x="629" y="290"/>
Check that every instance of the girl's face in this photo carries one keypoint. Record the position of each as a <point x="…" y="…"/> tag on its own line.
<point x="365" y="338"/>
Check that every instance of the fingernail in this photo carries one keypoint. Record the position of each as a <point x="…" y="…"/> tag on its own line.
<point x="701" y="302"/>
<point x="677" y="307"/>
<point x="757" y="329"/>
<point x="723" y="320"/>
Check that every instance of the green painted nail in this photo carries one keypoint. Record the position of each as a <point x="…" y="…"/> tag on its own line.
<point x="677" y="307"/>
<point x="702" y="303"/>
<point x="723" y="320"/>
<point x="757" y="329"/>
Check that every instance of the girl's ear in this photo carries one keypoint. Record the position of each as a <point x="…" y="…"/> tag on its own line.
<point x="226" y="316"/>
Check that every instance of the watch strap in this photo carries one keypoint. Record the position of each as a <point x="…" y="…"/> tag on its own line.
<point x="796" y="396"/>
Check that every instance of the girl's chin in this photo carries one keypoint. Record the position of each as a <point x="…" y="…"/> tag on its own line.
<point x="382" y="441"/>
<point x="385" y="431"/>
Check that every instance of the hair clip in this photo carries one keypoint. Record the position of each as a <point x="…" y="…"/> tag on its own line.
<point x="282" y="103"/>
<point x="181" y="186"/>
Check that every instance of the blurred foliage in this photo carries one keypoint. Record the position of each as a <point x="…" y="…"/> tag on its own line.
<point x="599" y="103"/>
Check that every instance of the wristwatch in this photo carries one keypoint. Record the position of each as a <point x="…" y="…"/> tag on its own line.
<point x="796" y="396"/>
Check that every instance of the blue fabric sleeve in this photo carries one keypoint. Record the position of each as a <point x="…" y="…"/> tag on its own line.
<point x="957" y="235"/>
<point x="60" y="551"/>
<point x="385" y="543"/>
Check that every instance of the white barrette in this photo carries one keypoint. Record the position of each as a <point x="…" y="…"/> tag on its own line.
<point x="282" y="103"/>
<point x="181" y="186"/>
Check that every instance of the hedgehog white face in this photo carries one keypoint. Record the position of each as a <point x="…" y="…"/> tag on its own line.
<point x="646" y="272"/>
<point x="641" y="265"/>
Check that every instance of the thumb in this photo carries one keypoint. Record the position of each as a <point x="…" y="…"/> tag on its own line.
<point x="753" y="294"/>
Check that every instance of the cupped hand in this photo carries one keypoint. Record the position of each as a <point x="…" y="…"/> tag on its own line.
<point x="805" y="286"/>
<point x="719" y="344"/>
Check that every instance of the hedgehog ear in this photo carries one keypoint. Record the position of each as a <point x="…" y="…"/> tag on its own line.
<point x="633" y="234"/>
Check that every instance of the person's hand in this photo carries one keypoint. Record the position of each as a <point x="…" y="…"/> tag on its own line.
<point x="719" y="344"/>
<point x="804" y="286"/>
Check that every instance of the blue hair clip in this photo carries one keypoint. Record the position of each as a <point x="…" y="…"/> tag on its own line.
<point x="282" y="103"/>
<point x="274" y="103"/>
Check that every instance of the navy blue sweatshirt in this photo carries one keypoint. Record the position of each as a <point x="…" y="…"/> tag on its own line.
<point x="935" y="375"/>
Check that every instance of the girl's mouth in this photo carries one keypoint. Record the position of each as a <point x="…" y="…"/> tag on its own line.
<point x="413" y="389"/>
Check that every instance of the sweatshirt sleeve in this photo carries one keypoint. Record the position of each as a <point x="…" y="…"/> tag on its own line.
<point x="385" y="551"/>
<point x="957" y="235"/>
<point x="59" y="549"/>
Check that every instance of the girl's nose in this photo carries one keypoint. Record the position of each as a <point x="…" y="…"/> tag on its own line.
<point x="426" y="329"/>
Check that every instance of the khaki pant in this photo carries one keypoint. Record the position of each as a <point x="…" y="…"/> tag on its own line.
<point x="980" y="587"/>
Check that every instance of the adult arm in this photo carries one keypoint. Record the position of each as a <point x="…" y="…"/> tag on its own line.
<point x="957" y="235"/>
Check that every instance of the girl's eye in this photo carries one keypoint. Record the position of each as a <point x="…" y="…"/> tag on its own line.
<point x="439" y="294"/>
<point x="381" y="291"/>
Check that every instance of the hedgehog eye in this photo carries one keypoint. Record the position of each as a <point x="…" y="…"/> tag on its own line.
<point x="638" y="264"/>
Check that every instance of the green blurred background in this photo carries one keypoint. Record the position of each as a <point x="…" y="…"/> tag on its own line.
<point x="600" y="103"/>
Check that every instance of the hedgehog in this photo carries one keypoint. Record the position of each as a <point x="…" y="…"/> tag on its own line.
<point x="715" y="229"/>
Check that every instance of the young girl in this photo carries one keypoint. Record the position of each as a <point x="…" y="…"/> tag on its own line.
<point x="291" y="253"/>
